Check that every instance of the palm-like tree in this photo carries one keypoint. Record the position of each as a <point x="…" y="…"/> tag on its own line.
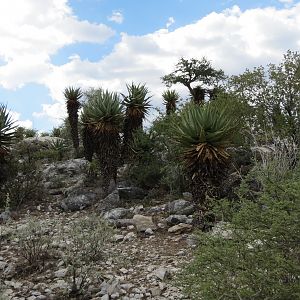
<point x="170" y="99"/>
<point x="203" y="134"/>
<point x="102" y="118"/>
<point x="137" y="105"/>
<point x="72" y="96"/>
<point x="7" y="136"/>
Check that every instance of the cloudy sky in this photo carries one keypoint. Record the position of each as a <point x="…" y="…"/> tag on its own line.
<point x="47" y="45"/>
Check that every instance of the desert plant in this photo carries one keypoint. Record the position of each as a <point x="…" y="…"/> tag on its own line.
<point x="102" y="117"/>
<point x="34" y="241"/>
<point x="137" y="105"/>
<point x="24" y="184"/>
<point x="203" y="133"/>
<point x="259" y="259"/>
<point x="72" y="96"/>
<point x="59" y="147"/>
<point x="7" y="138"/>
<point x="170" y="98"/>
<point x="85" y="244"/>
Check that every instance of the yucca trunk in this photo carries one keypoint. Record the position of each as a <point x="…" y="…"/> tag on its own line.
<point x="107" y="148"/>
<point x="170" y="107"/>
<point x="73" y="120"/>
<point x="88" y="142"/>
<point x="131" y="125"/>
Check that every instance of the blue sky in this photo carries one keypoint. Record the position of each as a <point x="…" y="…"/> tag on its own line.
<point x="51" y="44"/>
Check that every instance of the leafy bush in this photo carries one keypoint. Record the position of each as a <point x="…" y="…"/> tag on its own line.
<point x="34" y="240"/>
<point x="85" y="244"/>
<point x="25" y="184"/>
<point x="260" y="258"/>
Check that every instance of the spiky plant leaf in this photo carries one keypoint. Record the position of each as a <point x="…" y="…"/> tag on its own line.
<point x="203" y="134"/>
<point x="7" y="130"/>
<point x="102" y="119"/>
<point x="137" y="105"/>
<point x="137" y="102"/>
<point x="170" y="98"/>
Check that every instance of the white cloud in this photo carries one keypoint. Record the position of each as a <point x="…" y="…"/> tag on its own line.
<point x="286" y="1"/>
<point x="24" y="123"/>
<point x="31" y="31"/>
<point x="116" y="17"/>
<point x="233" y="40"/>
<point x="171" y="21"/>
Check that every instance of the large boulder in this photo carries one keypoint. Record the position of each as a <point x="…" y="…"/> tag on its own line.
<point x="177" y="219"/>
<point x="132" y="193"/>
<point x="180" y="207"/>
<point x="142" y="223"/>
<point x="78" y="202"/>
<point x="118" y="213"/>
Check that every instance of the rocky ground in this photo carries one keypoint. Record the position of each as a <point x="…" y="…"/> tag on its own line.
<point x="148" y="247"/>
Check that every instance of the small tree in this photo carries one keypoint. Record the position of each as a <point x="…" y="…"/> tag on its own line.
<point x="72" y="96"/>
<point x="203" y="134"/>
<point x="137" y="105"/>
<point x="102" y="119"/>
<point x="188" y="72"/>
<point x="170" y="98"/>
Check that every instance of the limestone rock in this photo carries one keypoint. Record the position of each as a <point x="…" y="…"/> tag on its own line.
<point x="180" y="228"/>
<point x="176" y="219"/>
<point x="129" y="193"/>
<point x="78" y="202"/>
<point x="118" y="213"/>
<point x="180" y="207"/>
<point x="142" y="223"/>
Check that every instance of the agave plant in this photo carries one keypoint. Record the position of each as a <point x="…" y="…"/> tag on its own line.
<point x="170" y="99"/>
<point x="72" y="96"/>
<point x="203" y="134"/>
<point x="58" y="146"/>
<point x="102" y="119"/>
<point x="137" y="105"/>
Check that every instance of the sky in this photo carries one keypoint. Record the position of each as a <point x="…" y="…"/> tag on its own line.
<point x="48" y="45"/>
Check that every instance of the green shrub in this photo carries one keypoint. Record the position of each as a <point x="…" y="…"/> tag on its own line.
<point x="260" y="259"/>
<point x="24" y="185"/>
<point x="85" y="244"/>
<point x="34" y="240"/>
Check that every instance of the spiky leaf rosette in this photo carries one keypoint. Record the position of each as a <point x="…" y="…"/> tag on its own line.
<point x="103" y="117"/>
<point x="203" y="134"/>
<point x="7" y="130"/>
<point x="137" y="105"/>
<point x="72" y="96"/>
<point x="170" y="98"/>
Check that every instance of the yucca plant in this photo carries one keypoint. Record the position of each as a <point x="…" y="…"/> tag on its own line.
<point x="137" y="105"/>
<point x="203" y="134"/>
<point x="7" y="131"/>
<point x="72" y="96"/>
<point x="7" y="136"/>
<point x="102" y="119"/>
<point x="170" y="98"/>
